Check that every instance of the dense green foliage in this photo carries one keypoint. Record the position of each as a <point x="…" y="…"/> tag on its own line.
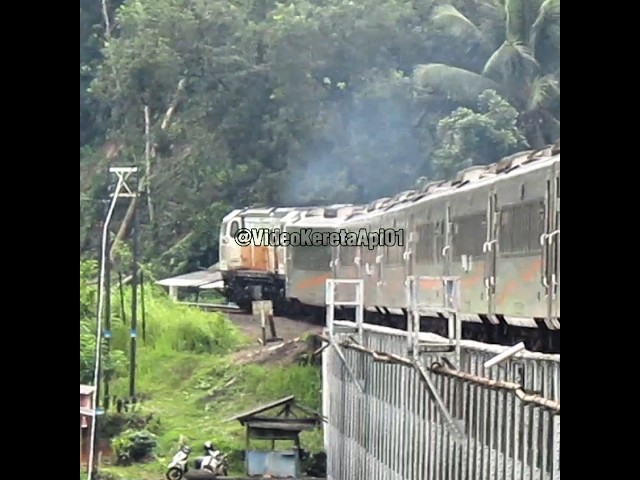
<point x="170" y="329"/>
<point x="188" y="375"/>
<point x="264" y="102"/>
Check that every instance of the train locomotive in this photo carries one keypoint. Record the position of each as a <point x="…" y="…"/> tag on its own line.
<point x="486" y="244"/>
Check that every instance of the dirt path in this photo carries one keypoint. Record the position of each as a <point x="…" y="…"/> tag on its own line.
<point x="286" y="328"/>
<point x="292" y="332"/>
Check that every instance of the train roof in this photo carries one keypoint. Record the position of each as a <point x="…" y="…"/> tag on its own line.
<point x="468" y="178"/>
<point x="328" y="216"/>
<point x="262" y="212"/>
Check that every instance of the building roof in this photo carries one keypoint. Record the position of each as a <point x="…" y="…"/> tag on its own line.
<point x="87" y="389"/>
<point x="90" y="412"/>
<point x="285" y="425"/>
<point x="193" y="279"/>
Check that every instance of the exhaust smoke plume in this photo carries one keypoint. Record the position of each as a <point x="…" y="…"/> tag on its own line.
<point x="368" y="149"/>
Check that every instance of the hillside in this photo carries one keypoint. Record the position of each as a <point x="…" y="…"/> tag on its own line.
<point x="195" y="370"/>
<point x="228" y="104"/>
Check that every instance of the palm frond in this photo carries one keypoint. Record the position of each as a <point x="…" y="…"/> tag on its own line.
<point x="453" y="83"/>
<point x="448" y="19"/>
<point x="543" y="91"/>
<point x="551" y="128"/>
<point x="516" y="20"/>
<point x="511" y="61"/>
<point x="548" y="14"/>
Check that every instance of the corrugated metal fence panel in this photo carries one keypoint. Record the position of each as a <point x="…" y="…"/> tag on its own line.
<point x="395" y="432"/>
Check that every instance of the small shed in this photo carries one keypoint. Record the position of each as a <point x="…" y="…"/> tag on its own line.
<point x="86" y="403"/>
<point x="201" y="280"/>
<point x="86" y="412"/>
<point x="286" y="424"/>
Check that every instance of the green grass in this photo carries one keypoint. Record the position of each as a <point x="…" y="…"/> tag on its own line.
<point x="192" y="402"/>
<point x="186" y="368"/>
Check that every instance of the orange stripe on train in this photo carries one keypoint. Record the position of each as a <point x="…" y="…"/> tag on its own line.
<point x="527" y="275"/>
<point x="314" y="282"/>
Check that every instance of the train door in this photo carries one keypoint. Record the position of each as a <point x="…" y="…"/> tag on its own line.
<point x="409" y="239"/>
<point x="545" y="238"/>
<point x="335" y="261"/>
<point x="447" y="257"/>
<point x="379" y="262"/>
<point x="489" y="249"/>
<point x="368" y="267"/>
<point x="555" y="247"/>
<point x="231" y="251"/>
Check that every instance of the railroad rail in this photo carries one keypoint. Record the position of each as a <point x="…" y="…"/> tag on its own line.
<point x="214" y="307"/>
<point x="198" y="475"/>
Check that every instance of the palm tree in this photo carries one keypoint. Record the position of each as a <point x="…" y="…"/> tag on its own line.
<point x="524" y="67"/>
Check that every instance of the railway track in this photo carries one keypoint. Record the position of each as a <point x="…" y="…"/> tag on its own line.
<point x="536" y="339"/>
<point x="215" y="307"/>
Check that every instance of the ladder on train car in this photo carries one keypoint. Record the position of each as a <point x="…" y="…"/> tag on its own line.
<point x="448" y="348"/>
<point x="331" y="303"/>
<point x="445" y="349"/>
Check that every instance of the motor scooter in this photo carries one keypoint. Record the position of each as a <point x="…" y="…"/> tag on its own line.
<point x="215" y="462"/>
<point x="178" y="466"/>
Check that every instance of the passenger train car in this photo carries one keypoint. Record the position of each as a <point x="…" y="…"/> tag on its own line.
<point x="486" y="245"/>
<point x="309" y="267"/>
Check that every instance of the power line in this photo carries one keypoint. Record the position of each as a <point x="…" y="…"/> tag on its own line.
<point x="123" y="174"/>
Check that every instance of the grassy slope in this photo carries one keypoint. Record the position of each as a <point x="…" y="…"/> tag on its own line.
<point x="194" y="393"/>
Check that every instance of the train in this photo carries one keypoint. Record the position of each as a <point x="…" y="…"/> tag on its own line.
<point x="485" y="245"/>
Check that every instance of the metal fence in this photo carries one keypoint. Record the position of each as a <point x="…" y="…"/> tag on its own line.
<point x="395" y="431"/>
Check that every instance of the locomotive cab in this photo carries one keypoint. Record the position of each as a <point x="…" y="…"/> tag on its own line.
<point x="229" y="250"/>
<point x="252" y="269"/>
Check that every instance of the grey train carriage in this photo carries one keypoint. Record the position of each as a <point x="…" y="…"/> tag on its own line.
<point x="486" y="245"/>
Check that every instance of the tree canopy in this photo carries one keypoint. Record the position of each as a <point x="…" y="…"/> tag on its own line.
<point x="224" y="104"/>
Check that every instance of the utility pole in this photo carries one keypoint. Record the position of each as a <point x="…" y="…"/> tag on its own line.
<point x="134" y="296"/>
<point x="107" y="321"/>
<point x="121" y="190"/>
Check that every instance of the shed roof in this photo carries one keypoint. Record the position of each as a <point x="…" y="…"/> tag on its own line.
<point x="90" y="412"/>
<point x="193" y="279"/>
<point x="251" y="413"/>
<point x="289" y="422"/>
<point x="86" y="389"/>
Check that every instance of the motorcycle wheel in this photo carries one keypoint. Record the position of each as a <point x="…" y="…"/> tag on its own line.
<point x="174" y="474"/>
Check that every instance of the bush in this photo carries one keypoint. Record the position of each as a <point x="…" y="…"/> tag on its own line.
<point x="113" y="424"/>
<point x="134" y="446"/>
<point x="168" y="328"/>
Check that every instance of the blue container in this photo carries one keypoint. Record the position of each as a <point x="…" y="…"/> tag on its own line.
<point x="277" y="464"/>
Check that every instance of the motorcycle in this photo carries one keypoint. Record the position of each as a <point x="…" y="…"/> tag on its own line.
<point x="215" y="462"/>
<point x="178" y="466"/>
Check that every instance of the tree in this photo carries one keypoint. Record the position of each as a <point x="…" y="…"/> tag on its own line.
<point x="524" y="68"/>
<point x="468" y="137"/>
<point x="232" y="104"/>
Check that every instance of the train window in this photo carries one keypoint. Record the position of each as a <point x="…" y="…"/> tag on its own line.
<point x="521" y="226"/>
<point x="308" y="258"/>
<point x="469" y="234"/>
<point x="368" y="254"/>
<point x="347" y="255"/>
<point x="233" y="228"/>
<point x="311" y="258"/>
<point x="393" y="253"/>
<point x="431" y="239"/>
<point x="424" y="246"/>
